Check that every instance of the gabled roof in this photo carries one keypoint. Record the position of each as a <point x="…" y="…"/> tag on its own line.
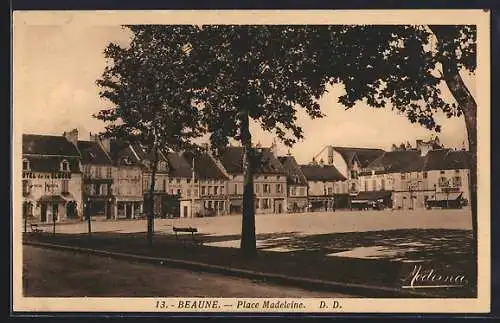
<point x="146" y="157"/>
<point x="321" y="173"/>
<point x="443" y="159"/>
<point x="232" y="160"/>
<point x="294" y="173"/>
<point x="48" y="145"/>
<point x="205" y="166"/>
<point x="178" y="166"/>
<point x="92" y="153"/>
<point x="395" y="162"/>
<point x="122" y="155"/>
<point x="363" y="155"/>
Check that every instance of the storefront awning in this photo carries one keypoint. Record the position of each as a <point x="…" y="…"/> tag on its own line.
<point x="364" y="197"/>
<point x="236" y="202"/>
<point x="447" y="196"/>
<point x="51" y="198"/>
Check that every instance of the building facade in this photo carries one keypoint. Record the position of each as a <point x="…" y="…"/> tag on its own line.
<point x="327" y="187"/>
<point x="297" y="200"/>
<point x="51" y="179"/>
<point x="127" y="180"/>
<point x="98" y="174"/>
<point x="270" y="182"/>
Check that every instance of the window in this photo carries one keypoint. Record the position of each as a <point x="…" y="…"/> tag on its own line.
<point x="443" y="181"/>
<point x="188" y="192"/>
<point x="109" y="172"/>
<point x="26" y="164"/>
<point x="221" y="190"/>
<point x="26" y="187"/>
<point x="188" y="180"/>
<point x="209" y="190"/>
<point x="203" y="190"/>
<point x="179" y="192"/>
<point x="330" y="191"/>
<point x="382" y="184"/>
<point x="374" y="185"/>
<point x="457" y="181"/>
<point x="98" y="172"/>
<point x="164" y="185"/>
<point x="65" y="186"/>
<point x="196" y="180"/>
<point x="457" y="171"/>
<point x="215" y="190"/>
<point x="424" y="175"/>
<point x="366" y="185"/>
<point x="441" y="172"/>
<point x="302" y="191"/>
<point x="403" y="176"/>
<point x="65" y="166"/>
<point x="278" y="177"/>
<point x="293" y="191"/>
<point x="336" y="185"/>
<point x="235" y="188"/>
<point x="265" y="177"/>
<point x="195" y="192"/>
<point x="279" y="188"/>
<point x="354" y="174"/>
<point x="257" y="203"/>
<point x="265" y="204"/>
<point x="257" y="188"/>
<point x="209" y="204"/>
<point x="267" y="188"/>
<point x="178" y="180"/>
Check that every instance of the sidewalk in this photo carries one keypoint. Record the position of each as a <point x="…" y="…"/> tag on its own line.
<point x="364" y="277"/>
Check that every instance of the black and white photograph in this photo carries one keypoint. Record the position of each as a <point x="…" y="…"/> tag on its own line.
<point x="251" y="161"/>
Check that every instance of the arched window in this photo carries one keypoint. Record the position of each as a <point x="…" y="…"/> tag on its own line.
<point x="26" y="164"/>
<point x="65" y="166"/>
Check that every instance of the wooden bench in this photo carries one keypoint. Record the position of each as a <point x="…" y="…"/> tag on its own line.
<point x="185" y="230"/>
<point x="35" y="228"/>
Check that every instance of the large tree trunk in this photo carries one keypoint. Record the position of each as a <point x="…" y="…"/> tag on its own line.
<point x="248" y="245"/>
<point x="468" y="106"/>
<point x="151" y="215"/>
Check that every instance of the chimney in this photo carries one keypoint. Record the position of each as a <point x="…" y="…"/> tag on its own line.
<point x="72" y="136"/>
<point x="106" y="144"/>
<point x="274" y="148"/>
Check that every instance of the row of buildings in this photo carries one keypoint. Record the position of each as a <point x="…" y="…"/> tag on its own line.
<point x="66" y="178"/>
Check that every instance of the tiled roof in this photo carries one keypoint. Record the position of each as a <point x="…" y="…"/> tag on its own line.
<point x="48" y="164"/>
<point x="363" y="155"/>
<point x="48" y="145"/>
<point x="122" y="154"/>
<point x="321" y="173"/>
<point x="442" y="159"/>
<point x="205" y="167"/>
<point x="178" y="166"/>
<point x="92" y="153"/>
<point x="293" y="170"/>
<point x="232" y="160"/>
<point x="395" y="162"/>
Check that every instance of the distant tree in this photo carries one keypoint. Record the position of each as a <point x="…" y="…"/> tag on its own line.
<point x="148" y="83"/>
<point x="258" y="73"/>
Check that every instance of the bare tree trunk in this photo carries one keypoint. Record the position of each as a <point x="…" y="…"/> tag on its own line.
<point x="151" y="215"/>
<point x="468" y="106"/>
<point x="248" y="245"/>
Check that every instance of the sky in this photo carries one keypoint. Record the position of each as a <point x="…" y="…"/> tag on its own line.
<point x="55" y="69"/>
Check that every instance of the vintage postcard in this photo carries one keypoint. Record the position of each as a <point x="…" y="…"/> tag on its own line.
<point x="329" y="161"/>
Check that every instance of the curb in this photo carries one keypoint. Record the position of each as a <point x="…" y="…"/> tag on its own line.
<point x="306" y="283"/>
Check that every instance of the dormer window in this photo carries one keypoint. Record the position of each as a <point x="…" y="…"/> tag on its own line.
<point x="65" y="166"/>
<point x="26" y="164"/>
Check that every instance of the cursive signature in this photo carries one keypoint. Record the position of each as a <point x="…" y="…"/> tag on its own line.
<point x="421" y="277"/>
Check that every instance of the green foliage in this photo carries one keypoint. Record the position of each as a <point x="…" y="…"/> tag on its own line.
<point x="149" y="87"/>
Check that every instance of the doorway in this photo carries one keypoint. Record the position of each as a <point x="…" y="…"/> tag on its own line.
<point x="185" y="211"/>
<point x="43" y="217"/>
